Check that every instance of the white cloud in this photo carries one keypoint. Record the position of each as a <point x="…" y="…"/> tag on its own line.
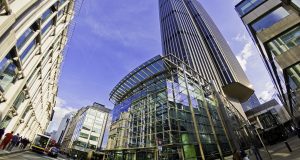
<point x="268" y="92"/>
<point x="61" y="110"/>
<point x="247" y="52"/>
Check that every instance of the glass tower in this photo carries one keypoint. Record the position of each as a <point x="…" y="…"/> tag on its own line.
<point x="165" y="110"/>
<point x="190" y="34"/>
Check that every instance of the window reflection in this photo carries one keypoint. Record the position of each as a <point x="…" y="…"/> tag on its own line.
<point x="46" y="14"/>
<point x="8" y="72"/>
<point x="285" y="42"/>
<point x="24" y="38"/>
<point x="297" y="3"/>
<point x="19" y="100"/>
<point x="28" y="50"/>
<point x="270" y="19"/>
<point x="294" y="76"/>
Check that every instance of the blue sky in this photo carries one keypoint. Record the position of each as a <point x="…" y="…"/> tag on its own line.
<point x="113" y="37"/>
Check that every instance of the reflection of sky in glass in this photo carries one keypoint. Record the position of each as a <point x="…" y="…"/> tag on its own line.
<point x="270" y="19"/>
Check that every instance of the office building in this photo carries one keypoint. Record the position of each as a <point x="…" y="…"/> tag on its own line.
<point x="189" y="33"/>
<point x="251" y="103"/>
<point x="33" y="34"/>
<point x="275" y="28"/>
<point x="166" y="110"/>
<point x="86" y="130"/>
<point x="272" y="121"/>
<point x="63" y="127"/>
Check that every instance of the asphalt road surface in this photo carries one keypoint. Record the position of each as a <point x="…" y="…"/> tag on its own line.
<point x="29" y="156"/>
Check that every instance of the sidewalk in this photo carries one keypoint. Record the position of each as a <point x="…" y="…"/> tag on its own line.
<point x="279" y="151"/>
<point x="14" y="150"/>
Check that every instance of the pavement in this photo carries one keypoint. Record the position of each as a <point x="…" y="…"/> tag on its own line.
<point x="279" y="151"/>
<point x="28" y="155"/>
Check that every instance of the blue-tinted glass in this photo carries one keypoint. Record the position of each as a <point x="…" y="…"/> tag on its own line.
<point x="47" y="27"/>
<point x="24" y="38"/>
<point x="247" y="6"/>
<point x="62" y="2"/>
<point x="7" y="73"/>
<point x="270" y="19"/>
<point x="27" y="51"/>
<point x="46" y="14"/>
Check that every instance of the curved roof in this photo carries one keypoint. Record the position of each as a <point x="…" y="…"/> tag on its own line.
<point x="138" y="75"/>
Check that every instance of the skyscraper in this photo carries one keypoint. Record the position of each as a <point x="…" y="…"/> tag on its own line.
<point x="275" y="28"/>
<point x="33" y="35"/>
<point x="190" y="34"/>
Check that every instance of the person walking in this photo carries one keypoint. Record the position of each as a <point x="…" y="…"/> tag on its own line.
<point x="2" y="131"/>
<point x="256" y="152"/>
<point x="13" y="142"/>
<point x="6" y="140"/>
<point x="237" y="155"/>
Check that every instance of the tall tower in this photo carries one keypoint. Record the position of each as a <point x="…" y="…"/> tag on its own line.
<point x="190" y="34"/>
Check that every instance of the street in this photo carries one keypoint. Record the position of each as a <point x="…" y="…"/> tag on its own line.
<point x="28" y="155"/>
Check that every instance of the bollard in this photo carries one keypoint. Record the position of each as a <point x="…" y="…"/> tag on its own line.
<point x="288" y="146"/>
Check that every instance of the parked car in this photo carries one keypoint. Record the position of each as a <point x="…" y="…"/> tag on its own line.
<point x="53" y="152"/>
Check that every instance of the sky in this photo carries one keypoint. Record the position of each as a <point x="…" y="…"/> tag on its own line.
<point x="111" y="38"/>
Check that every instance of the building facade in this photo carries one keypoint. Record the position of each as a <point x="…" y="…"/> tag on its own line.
<point x="166" y="110"/>
<point x="275" y="26"/>
<point x="33" y="35"/>
<point x="251" y="103"/>
<point x="272" y="120"/>
<point x="86" y="130"/>
<point x="63" y="127"/>
<point x="190" y="34"/>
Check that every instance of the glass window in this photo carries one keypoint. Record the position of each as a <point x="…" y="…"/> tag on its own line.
<point x="19" y="100"/>
<point x="25" y="112"/>
<point x="24" y="38"/>
<point x="297" y="3"/>
<point x="86" y="127"/>
<point x="84" y="135"/>
<point x="28" y="50"/>
<point x="62" y="2"/>
<point x="285" y="42"/>
<point x="5" y="121"/>
<point x="93" y="138"/>
<point x="247" y="6"/>
<point x="270" y="19"/>
<point x="8" y="72"/>
<point x="46" y="14"/>
<point x="96" y="130"/>
<point x="294" y="76"/>
<point x="47" y="27"/>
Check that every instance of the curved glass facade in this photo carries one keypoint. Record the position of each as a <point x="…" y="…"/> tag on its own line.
<point x="172" y="114"/>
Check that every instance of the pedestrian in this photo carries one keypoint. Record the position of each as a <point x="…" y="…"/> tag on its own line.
<point x="237" y="155"/>
<point x="26" y="142"/>
<point x="6" y="140"/>
<point x="13" y="142"/>
<point x="256" y="152"/>
<point x="2" y="131"/>
<point x="19" y="141"/>
<point x="244" y="155"/>
<point x="22" y="143"/>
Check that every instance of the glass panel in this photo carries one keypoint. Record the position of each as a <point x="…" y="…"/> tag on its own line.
<point x="20" y="99"/>
<point x="285" y="42"/>
<point x="24" y="38"/>
<point x="294" y="76"/>
<point x="5" y="122"/>
<point x="270" y="19"/>
<point x="28" y="50"/>
<point x="93" y="138"/>
<point x="297" y="3"/>
<point x="25" y="112"/>
<point x="46" y="14"/>
<point x="84" y="135"/>
<point x="47" y="27"/>
<point x="8" y="72"/>
<point x="247" y="6"/>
